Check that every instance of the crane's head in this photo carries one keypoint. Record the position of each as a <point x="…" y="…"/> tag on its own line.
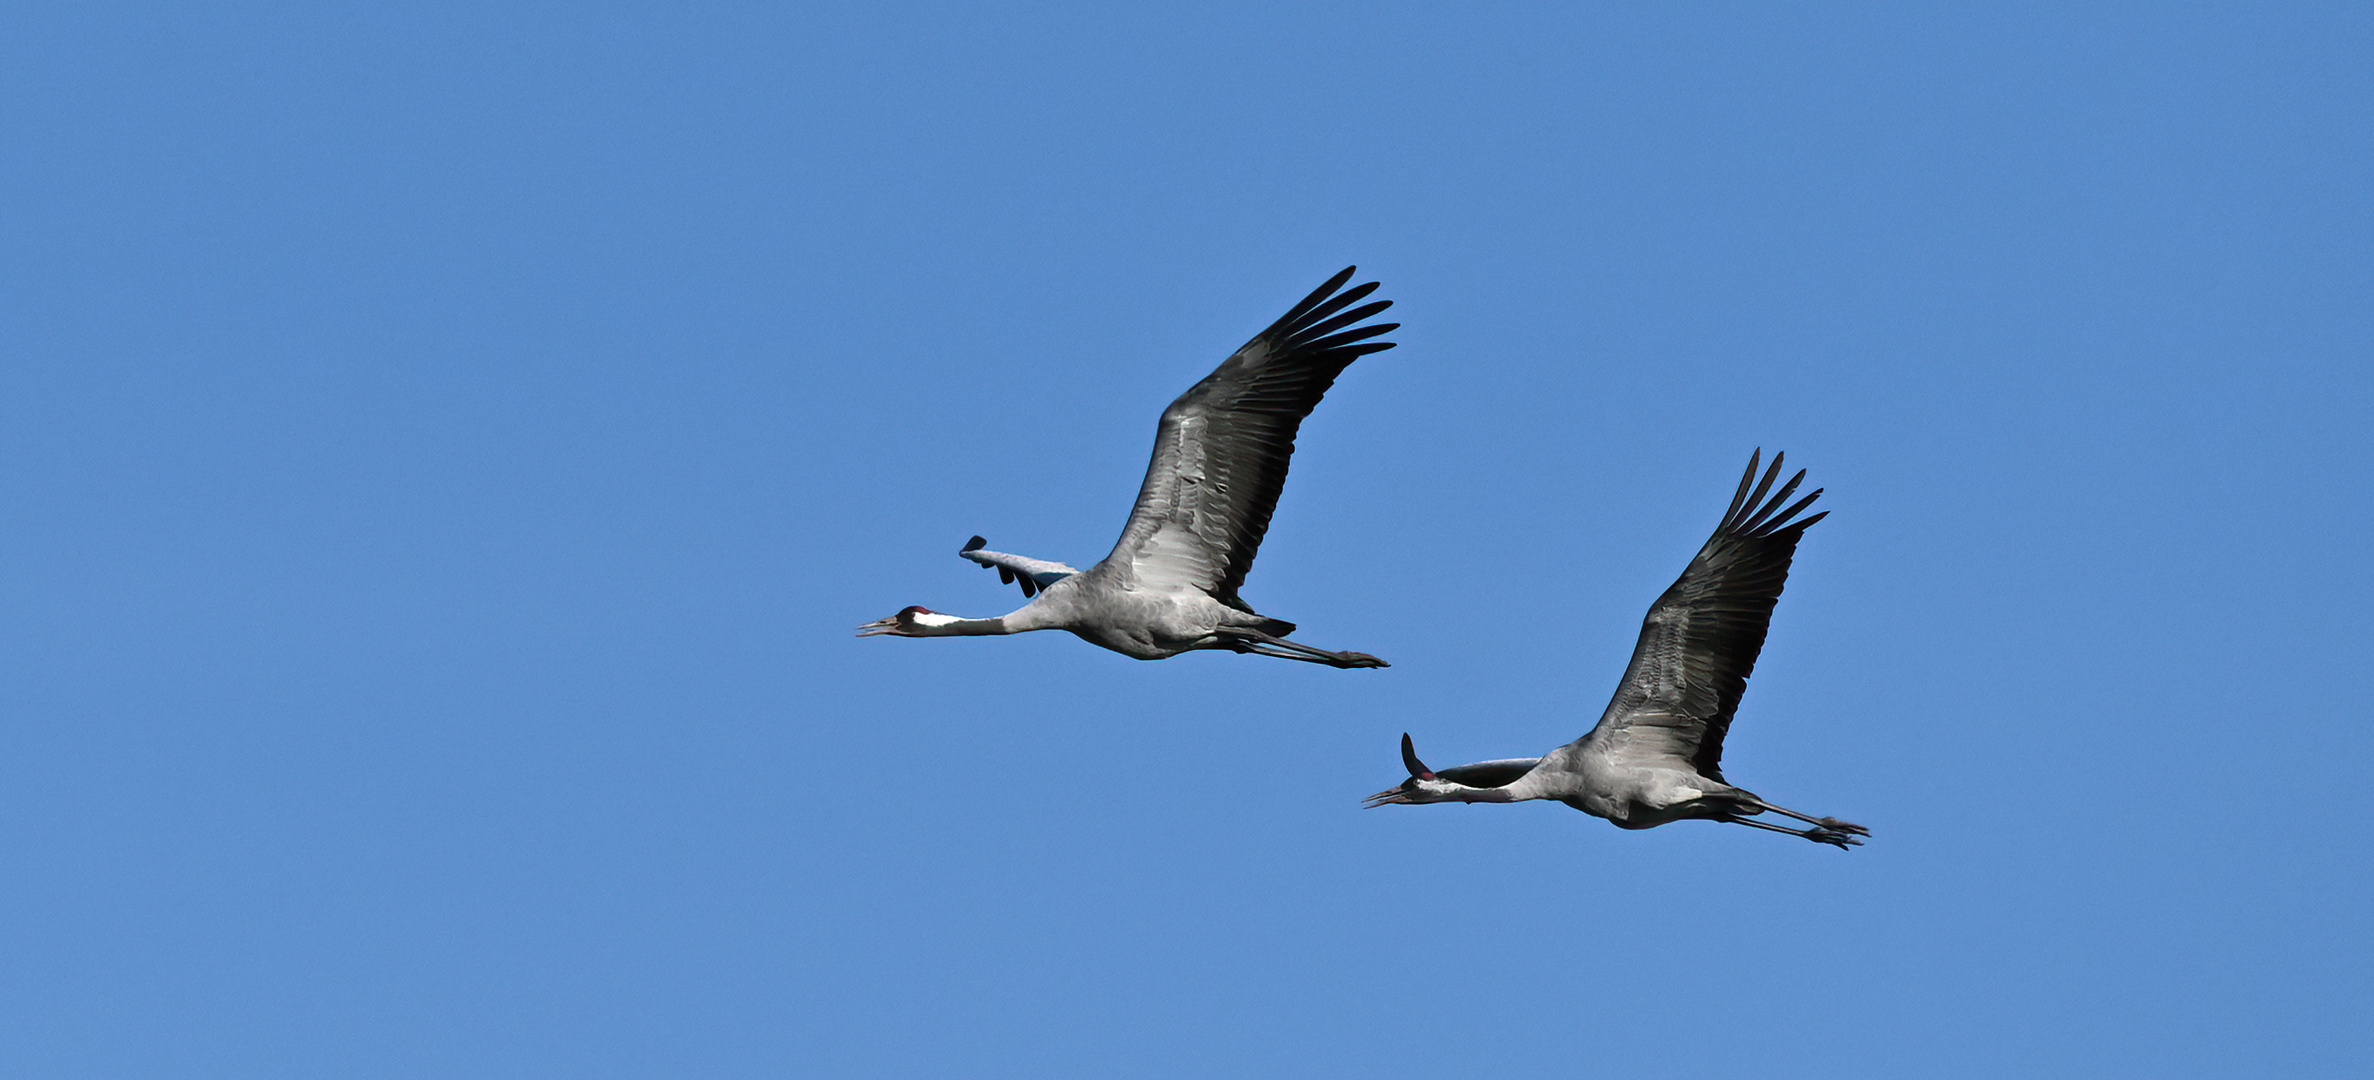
<point x="911" y="621"/>
<point x="1422" y="786"/>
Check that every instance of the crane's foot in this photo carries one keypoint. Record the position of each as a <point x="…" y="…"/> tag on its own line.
<point x="1833" y="837"/>
<point x="1358" y="659"/>
<point x="1835" y="825"/>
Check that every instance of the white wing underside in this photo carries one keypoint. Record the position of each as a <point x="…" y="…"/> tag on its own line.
<point x="1175" y="536"/>
<point x="1033" y="574"/>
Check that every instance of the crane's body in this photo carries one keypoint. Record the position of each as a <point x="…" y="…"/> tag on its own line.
<point x="1656" y="754"/>
<point x="1143" y="624"/>
<point x="1220" y="457"/>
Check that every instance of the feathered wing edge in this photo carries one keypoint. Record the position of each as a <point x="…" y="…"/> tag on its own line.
<point x="1033" y="574"/>
<point x="1700" y="640"/>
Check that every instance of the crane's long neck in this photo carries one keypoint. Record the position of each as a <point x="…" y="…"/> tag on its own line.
<point x="933" y="624"/>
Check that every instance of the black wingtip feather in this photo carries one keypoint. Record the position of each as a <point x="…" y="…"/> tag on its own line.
<point x="1764" y="515"/>
<point x="1357" y="333"/>
<point x="974" y="544"/>
<point x="1745" y="479"/>
<point x="1339" y="302"/>
<point x="1771" y="473"/>
<point x="1318" y="296"/>
<point x="1321" y="330"/>
<point x="1781" y="520"/>
<point x="1409" y="758"/>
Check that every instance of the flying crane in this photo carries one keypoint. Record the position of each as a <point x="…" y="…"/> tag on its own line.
<point x="1656" y="755"/>
<point x="1220" y="455"/>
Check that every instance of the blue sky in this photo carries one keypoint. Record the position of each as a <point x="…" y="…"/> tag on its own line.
<point x="445" y="449"/>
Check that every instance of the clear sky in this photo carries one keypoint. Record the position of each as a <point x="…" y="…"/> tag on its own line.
<point x="445" y="450"/>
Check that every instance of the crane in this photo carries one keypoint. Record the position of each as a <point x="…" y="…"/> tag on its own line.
<point x="1656" y="754"/>
<point x="1220" y="455"/>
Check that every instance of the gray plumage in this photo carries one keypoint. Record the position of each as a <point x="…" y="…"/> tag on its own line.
<point x="1220" y="457"/>
<point x="1656" y="754"/>
<point x="1033" y="574"/>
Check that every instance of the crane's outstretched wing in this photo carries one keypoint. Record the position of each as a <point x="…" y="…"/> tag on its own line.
<point x="1700" y="639"/>
<point x="1220" y="452"/>
<point x="1034" y="574"/>
<point x="1497" y="773"/>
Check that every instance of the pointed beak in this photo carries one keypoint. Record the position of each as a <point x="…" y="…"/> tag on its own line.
<point x="1387" y="797"/>
<point x="878" y="627"/>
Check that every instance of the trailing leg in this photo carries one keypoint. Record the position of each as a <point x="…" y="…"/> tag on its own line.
<point x="1830" y="823"/>
<point x="1818" y="834"/>
<point x="1247" y="640"/>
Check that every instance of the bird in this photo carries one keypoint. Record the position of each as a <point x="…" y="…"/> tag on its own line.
<point x="1220" y="455"/>
<point x="1656" y="755"/>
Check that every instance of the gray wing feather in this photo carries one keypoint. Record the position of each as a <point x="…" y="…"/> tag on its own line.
<point x="1221" y="450"/>
<point x="1034" y="574"/>
<point x="1489" y="773"/>
<point x="1701" y="638"/>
